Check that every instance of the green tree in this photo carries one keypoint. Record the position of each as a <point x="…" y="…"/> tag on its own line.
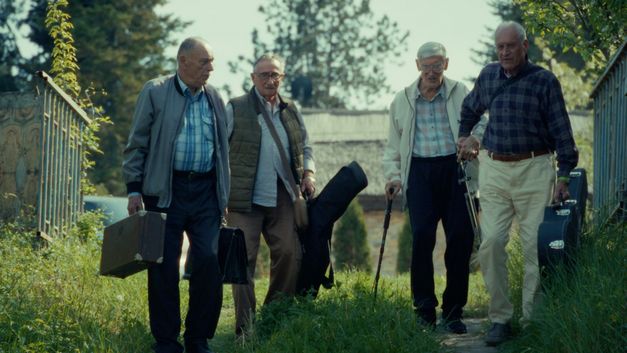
<point x="506" y="10"/>
<point x="119" y="46"/>
<point x="405" y="241"/>
<point x="592" y="28"/>
<point x="12" y="74"/>
<point x="335" y="47"/>
<point x="350" y="246"/>
<point x="575" y="74"/>
<point x="64" y="70"/>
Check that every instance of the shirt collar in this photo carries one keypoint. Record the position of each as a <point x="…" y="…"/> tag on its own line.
<point x="186" y="89"/>
<point x="265" y="102"/>
<point x="441" y="91"/>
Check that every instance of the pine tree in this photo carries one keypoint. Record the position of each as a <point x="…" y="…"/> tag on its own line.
<point x="333" y="49"/>
<point x="350" y="246"/>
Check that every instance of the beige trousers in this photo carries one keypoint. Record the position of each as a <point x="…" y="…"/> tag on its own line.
<point x="512" y="189"/>
<point x="278" y="229"/>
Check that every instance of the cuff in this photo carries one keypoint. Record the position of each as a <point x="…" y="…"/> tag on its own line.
<point x="135" y="186"/>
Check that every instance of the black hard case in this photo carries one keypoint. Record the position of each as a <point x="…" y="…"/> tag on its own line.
<point x="559" y="233"/>
<point x="132" y="244"/>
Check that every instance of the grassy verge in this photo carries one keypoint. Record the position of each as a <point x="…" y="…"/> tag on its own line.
<point x="52" y="300"/>
<point x="583" y="310"/>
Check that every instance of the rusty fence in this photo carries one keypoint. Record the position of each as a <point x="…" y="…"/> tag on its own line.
<point x="610" y="138"/>
<point x="40" y="156"/>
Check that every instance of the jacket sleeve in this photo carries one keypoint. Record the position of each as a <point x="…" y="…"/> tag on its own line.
<point x="137" y="147"/>
<point x="391" y="153"/>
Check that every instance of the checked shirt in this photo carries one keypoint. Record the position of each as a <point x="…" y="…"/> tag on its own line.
<point x="195" y="143"/>
<point x="529" y="115"/>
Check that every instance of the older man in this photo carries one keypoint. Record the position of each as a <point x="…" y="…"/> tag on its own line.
<point x="528" y="121"/>
<point x="420" y="159"/>
<point x="176" y="162"/>
<point x="262" y="198"/>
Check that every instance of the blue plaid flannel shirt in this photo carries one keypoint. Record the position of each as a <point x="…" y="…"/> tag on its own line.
<point x="195" y="143"/>
<point x="529" y="115"/>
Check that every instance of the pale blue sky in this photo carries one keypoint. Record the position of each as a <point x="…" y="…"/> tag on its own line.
<point x="458" y="24"/>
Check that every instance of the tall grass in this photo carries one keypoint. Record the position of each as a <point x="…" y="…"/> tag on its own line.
<point x="583" y="310"/>
<point x="53" y="300"/>
<point x="345" y="319"/>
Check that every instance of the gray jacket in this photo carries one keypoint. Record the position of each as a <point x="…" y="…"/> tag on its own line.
<point x="149" y="154"/>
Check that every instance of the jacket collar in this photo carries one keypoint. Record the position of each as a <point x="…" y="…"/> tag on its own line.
<point x="411" y="91"/>
<point x="253" y="93"/>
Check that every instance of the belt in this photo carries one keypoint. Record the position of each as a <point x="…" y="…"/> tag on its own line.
<point x="517" y="156"/>
<point x="192" y="175"/>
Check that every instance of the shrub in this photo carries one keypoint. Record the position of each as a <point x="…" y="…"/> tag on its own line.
<point x="403" y="261"/>
<point x="350" y="246"/>
<point x="346" y="319"/>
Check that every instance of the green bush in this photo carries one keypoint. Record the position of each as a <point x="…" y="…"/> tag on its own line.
<point x="345" y="319"/>
<point x="583" y="310"/>
<point x="405" y="241"/>
<point x="350" y="246"/>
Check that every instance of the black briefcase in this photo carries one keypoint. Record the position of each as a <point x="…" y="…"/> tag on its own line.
<point x="132" y="244"/>
<point x="560" y="232"/>
<point x="232" y="256"/>
<point x="558" y="237"/>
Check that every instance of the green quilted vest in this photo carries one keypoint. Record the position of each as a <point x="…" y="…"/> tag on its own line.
<point x="244" y="147"/>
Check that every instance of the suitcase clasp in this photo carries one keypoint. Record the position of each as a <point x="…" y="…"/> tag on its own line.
<point x="564" y="212"/>
<point x="556" y="244"/>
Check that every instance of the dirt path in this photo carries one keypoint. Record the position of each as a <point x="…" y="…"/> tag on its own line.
<point x="472" y="342"/>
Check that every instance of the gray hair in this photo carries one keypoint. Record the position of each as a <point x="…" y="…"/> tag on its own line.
<point x="520" y="30"/>
<point x="270" y="57"/>
<point x="430" y="49"/>
<point x="190" y="43"/>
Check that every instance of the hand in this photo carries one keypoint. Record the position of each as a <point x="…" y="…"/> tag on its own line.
<point x="134" y="204"/>
<point x="561" y="192"/>
<point x="392" y="188"/>
<point x="307" y="185"/>
<point x="468" y="148"/>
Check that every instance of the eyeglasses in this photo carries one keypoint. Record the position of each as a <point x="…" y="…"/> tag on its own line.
<point x="274" y="76"/>
<point x="437" y="68"/>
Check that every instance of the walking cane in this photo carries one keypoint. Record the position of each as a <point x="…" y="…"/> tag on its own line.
<point x="386" y="224"/>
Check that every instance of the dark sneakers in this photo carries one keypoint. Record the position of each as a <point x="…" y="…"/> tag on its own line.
<point x="455" y="326"/>
<point x="197" y="346"/>
<point x="498" y="334"/>
<point x="426" y="318"/>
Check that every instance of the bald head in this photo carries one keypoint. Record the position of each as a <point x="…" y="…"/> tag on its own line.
<point x="195" y="62"/>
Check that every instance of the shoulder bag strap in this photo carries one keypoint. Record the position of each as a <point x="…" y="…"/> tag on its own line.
<point x="277" y="140"/>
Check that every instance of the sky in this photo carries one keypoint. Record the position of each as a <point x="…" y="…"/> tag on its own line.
<point x="458" y="24"/>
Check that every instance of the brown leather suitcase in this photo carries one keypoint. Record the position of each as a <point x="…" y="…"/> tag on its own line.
<point x="132" y="244"/>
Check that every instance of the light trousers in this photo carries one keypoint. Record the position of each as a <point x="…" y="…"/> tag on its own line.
<point x="519" y="189"/>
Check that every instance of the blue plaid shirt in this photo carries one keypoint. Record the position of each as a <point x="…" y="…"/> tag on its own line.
<point x="433" y="136"/>
<point x="529" y="115"/>
<point x="195" y="143"/>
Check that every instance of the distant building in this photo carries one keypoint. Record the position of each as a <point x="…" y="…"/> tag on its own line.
<point x="342" y="136"/>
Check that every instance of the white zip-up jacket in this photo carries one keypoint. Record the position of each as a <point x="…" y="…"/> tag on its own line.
<point x="398" y="151"/>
